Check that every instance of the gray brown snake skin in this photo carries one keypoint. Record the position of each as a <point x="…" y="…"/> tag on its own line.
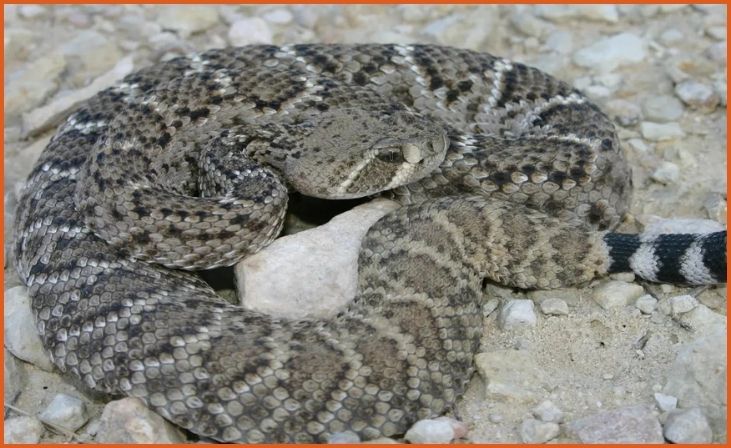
<point x="504" y="172"/>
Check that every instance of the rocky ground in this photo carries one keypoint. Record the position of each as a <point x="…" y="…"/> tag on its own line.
<point x="617" y="361"/>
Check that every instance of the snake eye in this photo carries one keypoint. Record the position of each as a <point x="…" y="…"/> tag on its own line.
<point x="412" y="153"/>
<point x="391" y="155"/>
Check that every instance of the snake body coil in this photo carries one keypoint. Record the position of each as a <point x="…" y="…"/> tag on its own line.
<point x="504" y="172"/>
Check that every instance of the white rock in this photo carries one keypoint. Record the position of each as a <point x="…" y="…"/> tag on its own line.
<point x="671" y="36"/>
<point x="717" y="52"/>
<point x="466" y="30"/>
<point x="548" y="412"/>
<point x="665" y="402"/>
<point x="688" y="426"/>
<point x="627" y="277"/>
<point x="717" y="32"/>
<point x="560" y="13"/>
<point x="697" y="95"/>
<point x="656" y="225"/>
<point x="343" y="437"/>
<point x="187" y="20"/>
<point x="280" y="16"/>
<point x="662" y="108"/>
<point x="560" y="41"/>
<point x="716" y="207"/>
<point x="250" y="30"/>
<point x="14" y="377"/>
<point x="32" y="11"/>
<point x="23" y="430"/>
<point x="517" y="314"/>
<point x="511" y="375"/>
<point x="65" y="411"/>
<point x="682" y="304"/>
<point x="459" y="428"/>
<point x="667" y="173"/>
<point x="661" y="131"/>
<point x="536" y="431"/>
<point x="612" y="52"/>
<point x="638" y="145"/>
<point x="556" y="307"/>
<point x="51" y="114"/>
<point x="430" y="431"/>
<point x="91" y="53"/>
<point x="632" y="424"/>
<point x="527" y="23"/>
<point x="627" y="113"/>
<point x="697" y="376"/>
<point x="27" y="88"/>
<point x="312" y="273"/>
<point x="646" y="304"/>
<point x="21" y="335"/>
<point x="615" y="294"/>
<point x="129" y="421"/>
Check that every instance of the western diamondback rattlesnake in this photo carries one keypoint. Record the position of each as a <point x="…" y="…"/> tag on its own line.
<point x="505" y="173"/>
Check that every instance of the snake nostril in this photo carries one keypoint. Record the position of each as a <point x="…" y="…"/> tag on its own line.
<point x="412" y="153"/>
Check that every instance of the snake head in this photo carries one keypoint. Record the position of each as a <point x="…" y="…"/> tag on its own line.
<point x="355" y="152"/>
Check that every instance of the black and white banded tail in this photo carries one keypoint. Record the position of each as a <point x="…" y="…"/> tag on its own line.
<point x="696" y="259"/>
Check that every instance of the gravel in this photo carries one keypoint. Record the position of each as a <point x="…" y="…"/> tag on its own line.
<point x="660" y="71"/>
<point x="517" y="314"/>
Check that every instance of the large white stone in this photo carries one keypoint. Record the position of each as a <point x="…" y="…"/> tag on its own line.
<point x="312" y="273"/>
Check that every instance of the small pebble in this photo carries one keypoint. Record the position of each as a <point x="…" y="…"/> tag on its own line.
<point x="251" y="30"/>
<point x="665" y="402"/>
<point x="625" y="112"/>
<point x="536" y="431"/>
<point x="560" y="41"/>
<point x="612" y="52"/>
<point x="23" y="429"/>
<point x="682" y="304"/>
<point x="495" y="418"/>
<point x="646" y="304"/>
<point x="65" y="411"/>
<point x="667" y="173"/>
<point x="548" y="412"/>
<point x="517" y="313"/>
<point x="687" y="426"/>
<point x="697" y="95"/>
<point x="671" y="36"/>
<point x="662" y="108"/>
<point x="187" y="20"/>
<point x="129" y="421"/>
<point x="638" y="145"/>
<point x="430" y="431"/>
<point x="661" y="131"/>
<point x="279" y="16"/>
<point x="556" y="307"/>
<point x="615" y="294"/>
<point x="343" y="437"/>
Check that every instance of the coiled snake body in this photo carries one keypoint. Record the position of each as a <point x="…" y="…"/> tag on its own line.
<point x="504" y="172"/>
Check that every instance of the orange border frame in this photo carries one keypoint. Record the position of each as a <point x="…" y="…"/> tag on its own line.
<point x="316" y="2"/>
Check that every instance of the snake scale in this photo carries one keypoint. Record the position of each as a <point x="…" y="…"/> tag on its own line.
<point x="504" y="174"/>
